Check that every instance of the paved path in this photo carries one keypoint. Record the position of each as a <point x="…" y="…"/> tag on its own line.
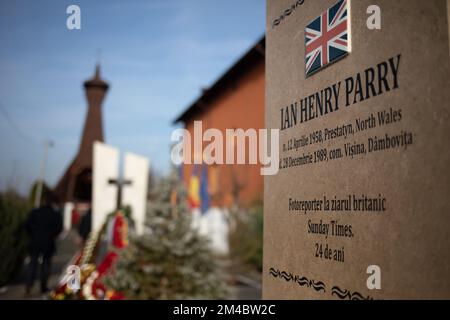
<point x="244" y="285"/>
<point x="66" y="250"/>
<point x="247" y="287"/>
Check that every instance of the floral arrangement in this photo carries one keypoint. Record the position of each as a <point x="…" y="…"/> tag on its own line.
<point x="113" y="237"/>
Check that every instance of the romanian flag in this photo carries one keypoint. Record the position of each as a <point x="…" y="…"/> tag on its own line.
<point x="194" y="190"/>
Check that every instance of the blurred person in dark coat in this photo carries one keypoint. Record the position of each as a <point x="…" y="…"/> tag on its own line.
<point x="84" y="228"/>
<point x="43" y="226"/>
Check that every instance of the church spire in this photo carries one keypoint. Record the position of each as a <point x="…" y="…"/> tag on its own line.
<point x="76" y="183"/>
<point x="96" y="81"/>
<point x="97" y="71"/>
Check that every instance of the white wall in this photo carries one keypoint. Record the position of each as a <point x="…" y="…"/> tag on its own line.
<point x="135" y="195"/>
<point x="104" y="195"/>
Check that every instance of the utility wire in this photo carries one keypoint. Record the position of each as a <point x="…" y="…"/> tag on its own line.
<point x="14" y="125"/>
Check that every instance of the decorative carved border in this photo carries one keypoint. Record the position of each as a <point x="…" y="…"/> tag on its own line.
<point x="300" y="280"/>
<point x="317" y="285"/>
<point x="347" y="294"/>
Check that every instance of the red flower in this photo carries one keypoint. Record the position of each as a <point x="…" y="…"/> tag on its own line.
<point x="106" y="264"/>
<point x="117" y="296"/>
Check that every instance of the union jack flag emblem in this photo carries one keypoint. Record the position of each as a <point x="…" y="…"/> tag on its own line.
<point x="326" y="38"/>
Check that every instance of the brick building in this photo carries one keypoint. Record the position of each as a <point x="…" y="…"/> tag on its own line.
<point x="235" y="100"/>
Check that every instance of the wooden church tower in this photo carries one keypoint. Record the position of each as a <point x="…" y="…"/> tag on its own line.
<point x="76" y="183"/>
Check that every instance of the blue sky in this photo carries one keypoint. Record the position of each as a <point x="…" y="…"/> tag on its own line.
<point x="156" y="55"/>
